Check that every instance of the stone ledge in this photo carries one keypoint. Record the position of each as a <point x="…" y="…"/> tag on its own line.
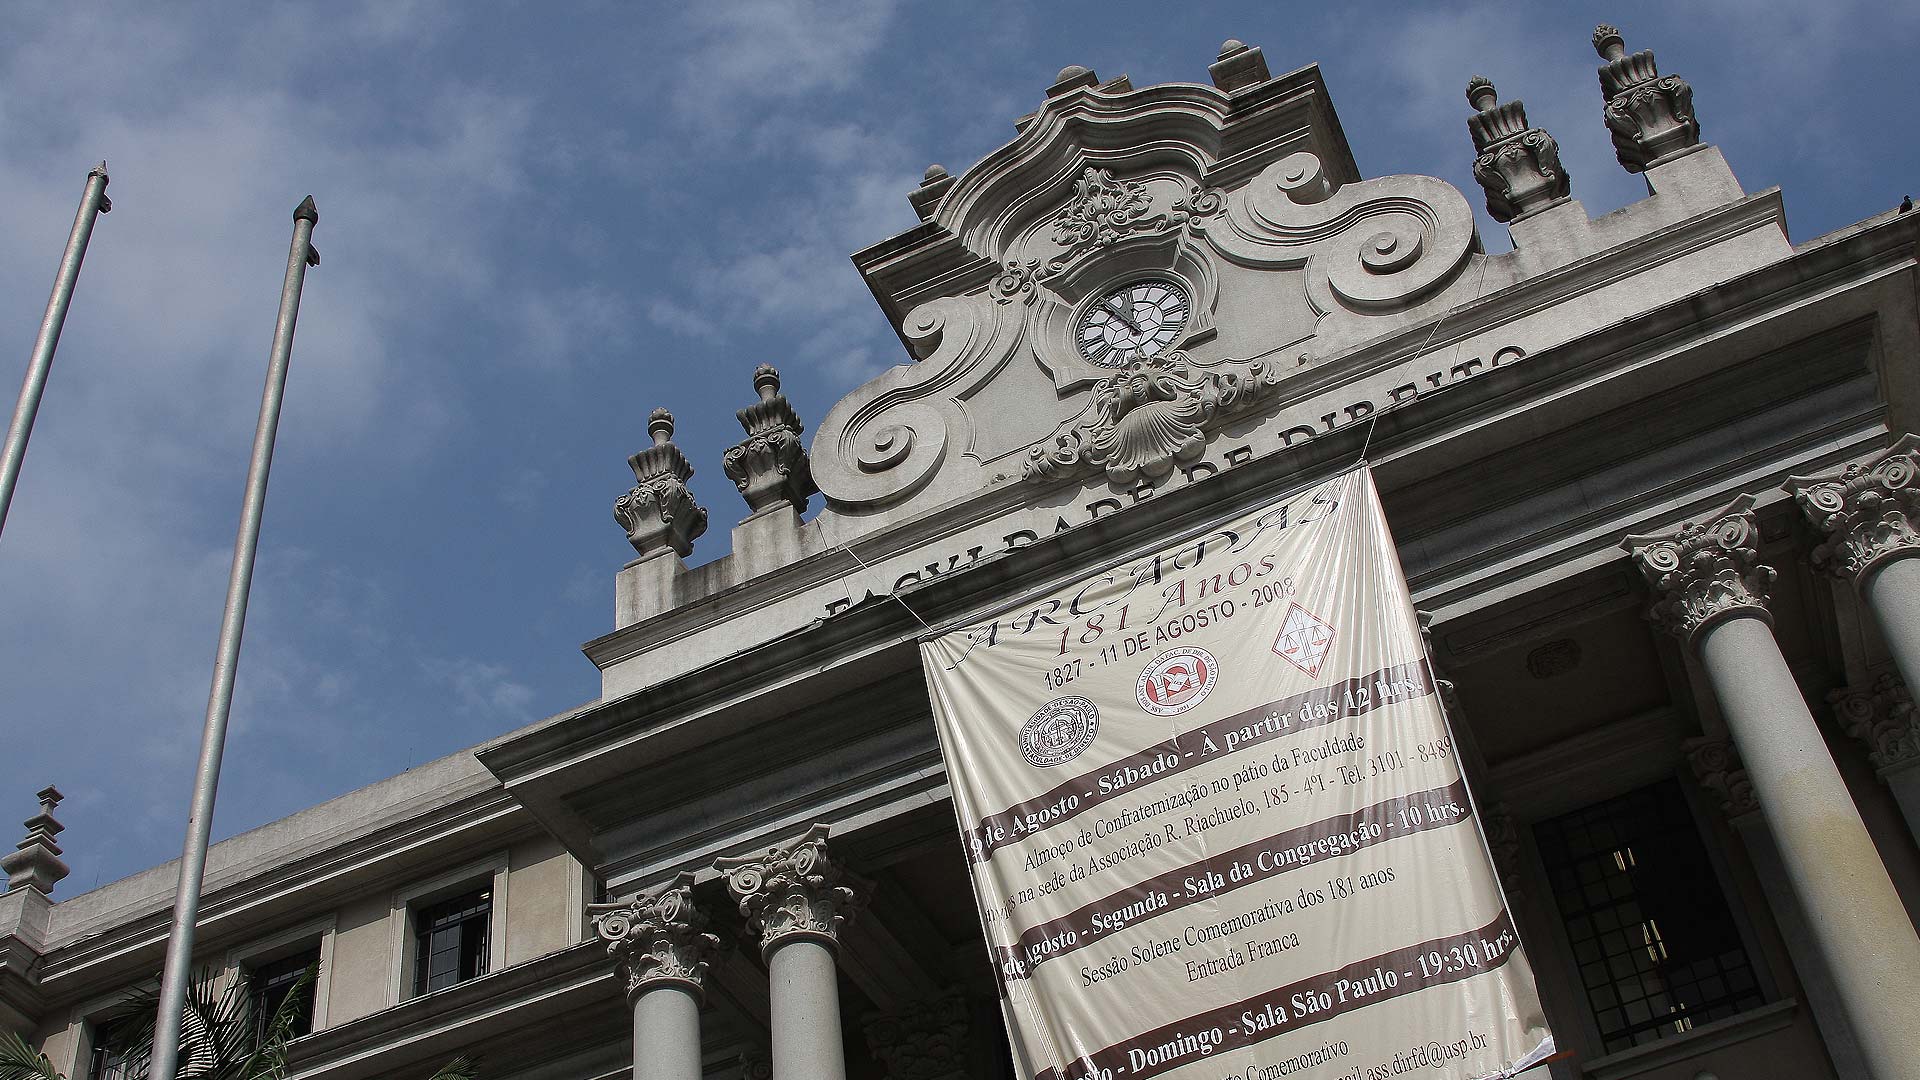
<point x="1729" y="1032"/>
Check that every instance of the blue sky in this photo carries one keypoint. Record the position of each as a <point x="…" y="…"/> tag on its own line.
<point x="541" y="221"/>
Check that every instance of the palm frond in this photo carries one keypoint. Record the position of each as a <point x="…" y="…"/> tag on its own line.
<point x="460" y="1068"/>
<point x="217" y="1027"/>
<point x="18" y="1061"/>
<point x="268" y="1061"/>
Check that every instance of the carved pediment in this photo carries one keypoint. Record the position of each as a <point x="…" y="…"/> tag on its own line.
<point x="1245" y="205"/>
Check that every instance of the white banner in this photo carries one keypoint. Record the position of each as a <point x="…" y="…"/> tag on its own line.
<point x="1216" y="823"/>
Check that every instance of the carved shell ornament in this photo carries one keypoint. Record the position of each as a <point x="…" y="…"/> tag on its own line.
<point x="1147" y="418"/>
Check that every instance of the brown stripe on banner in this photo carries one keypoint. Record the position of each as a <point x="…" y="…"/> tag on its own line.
<point x="1298" y="1005"/>
<point x="1252" y="727"/>
<point x="1226" y="871"/>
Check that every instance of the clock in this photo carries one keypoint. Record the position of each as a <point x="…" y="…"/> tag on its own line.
<point x="1133" y="322"/>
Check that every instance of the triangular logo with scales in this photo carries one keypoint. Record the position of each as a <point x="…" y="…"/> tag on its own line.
<point x="1305" y="640"/>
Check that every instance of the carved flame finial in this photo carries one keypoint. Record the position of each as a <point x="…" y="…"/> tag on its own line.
<point x="1519" y="166"/>
<point x="1481" y="93"/>
<point x="770" y="466"/>
<point x="658" y="512"/>
<point x="1650" y="115"/>
<point x="1608" y="42"/>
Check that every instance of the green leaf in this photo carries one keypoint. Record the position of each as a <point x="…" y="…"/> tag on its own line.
<point x="18" y="1061"/>
<point x="460" y="1068"/>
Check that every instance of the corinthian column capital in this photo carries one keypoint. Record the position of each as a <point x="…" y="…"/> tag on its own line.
<point x="1866" y="511"/>
<point x="658" y="938"/>
<point x="1716" y="765"/>
<point x="1705" y="571"/>
<point x="793" y="891"/>
<point x="1882" y="717"/>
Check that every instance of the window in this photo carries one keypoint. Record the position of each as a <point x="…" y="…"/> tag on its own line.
<point x="451" y="941"/>
<point x="111" y="1059"/>
<point x="1652" y="936"/>
<point x="271" y="982"/>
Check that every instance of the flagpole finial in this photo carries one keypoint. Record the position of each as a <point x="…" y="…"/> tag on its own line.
<point x="307" y="210"/>
<point x="99" y="170"/>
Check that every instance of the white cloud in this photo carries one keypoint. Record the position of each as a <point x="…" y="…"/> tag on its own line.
<point x="482" y="687"/>
<point x="758" y="51"/>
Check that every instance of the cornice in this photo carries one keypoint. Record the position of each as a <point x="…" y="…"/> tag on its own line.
<point x="1430" y="336"/>
<point x="134" y="941"/>
<point x="544" y="763"/>
<point x="444" y="1023"/>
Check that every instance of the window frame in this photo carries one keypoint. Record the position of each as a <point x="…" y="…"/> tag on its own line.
<point x="1565" y="967"/>
<point x="490" y="874"/>
<point x="241" y="961"/>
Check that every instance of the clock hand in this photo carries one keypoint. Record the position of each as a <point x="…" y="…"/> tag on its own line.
<point x="1122" y="316"/>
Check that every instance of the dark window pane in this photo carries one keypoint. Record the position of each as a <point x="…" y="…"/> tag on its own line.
<point x="272" y="982"/>
<point x="1633" y="884"/>
<point x="111" y="1059"/>
<point x="452" y="941"/>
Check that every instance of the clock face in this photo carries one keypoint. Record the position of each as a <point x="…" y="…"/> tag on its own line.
<point x="1133" y="322"/>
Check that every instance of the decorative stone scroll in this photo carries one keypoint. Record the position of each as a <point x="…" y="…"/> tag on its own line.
<point x="1503" y="841"/>
<point x="658" y="512"/>
<point x="1883" y="718"/>
<point x="770" y="466"/>
<point x="1703" y="572"/>
<point x="1650" y="115"/>
<point x="1716" y="765"/>
<point x="1152" y="415"/>
<point x="793" y="891"/>
<point x="1519" y="166"/>
<point x="926" y="1040"/>
<point x="1867" y="511"/>
<point x="35" y="861"/>
<point x="756" y="1063"/>
<point x="658" y="938"/>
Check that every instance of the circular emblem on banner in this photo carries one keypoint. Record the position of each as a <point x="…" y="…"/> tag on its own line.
<point x="1059" y="732"/>
<point x="1177" y="680"/>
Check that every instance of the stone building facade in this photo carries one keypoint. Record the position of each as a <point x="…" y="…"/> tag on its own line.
<point x="1649" y="474"/>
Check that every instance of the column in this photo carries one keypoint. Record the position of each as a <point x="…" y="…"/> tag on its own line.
<point x="1710" y="591"/>
<point x="1716" y="765"/>
<point x="1866" y="512"/>
<point x="797" y="899"/>
<point x="660" y="943"/>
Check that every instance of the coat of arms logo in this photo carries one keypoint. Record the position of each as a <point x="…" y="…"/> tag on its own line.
<point x="1177" y="680"/>
<point x="1305" y="640"/>
<point x="1059" y="732"/>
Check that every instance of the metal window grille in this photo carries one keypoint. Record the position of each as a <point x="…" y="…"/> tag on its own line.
<point x="451" y="941"/>
<point x="1654" y="940"/>
<point x="270" y="983"/>
<point x="111" y="1059"/>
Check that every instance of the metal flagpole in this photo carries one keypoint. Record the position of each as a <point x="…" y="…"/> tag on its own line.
<point x="92" y="204"/>
<point x="193" y="861"/>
